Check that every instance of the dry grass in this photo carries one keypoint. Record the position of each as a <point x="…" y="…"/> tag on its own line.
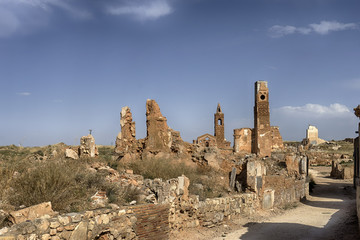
<point x="65" y="183"/>
<point x="204" y="181"/>
<point x="56" y="182"/>
<point x="163" y="168"/>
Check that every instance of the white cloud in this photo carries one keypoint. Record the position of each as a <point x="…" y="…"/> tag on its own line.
<point x="303" y="30"/>
<point x="324" y="27"/>
<point x="329" y="26"/>
<point x="316" y="110"/>
<point x="279" y="31"/>
<point x="143" y="10"/>
<point x="23" y="93"/>
<point x="19" y="16"/>
<point x="335" y="121"/>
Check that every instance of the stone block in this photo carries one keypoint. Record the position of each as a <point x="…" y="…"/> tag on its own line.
<point x="31" y="213"/>
<point x="268" y="199"/>
<point x="69" y="153"/>
<point x="80" y="232"/>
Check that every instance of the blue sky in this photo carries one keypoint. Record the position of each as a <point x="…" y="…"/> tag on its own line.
<point x="67" y="66"/>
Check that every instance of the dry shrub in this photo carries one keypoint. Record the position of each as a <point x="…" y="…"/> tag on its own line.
<point x="163" y="168"/>
<point x="51" y="181"/>
<point x="121" y="195"/>
<point x="204" y="181"/>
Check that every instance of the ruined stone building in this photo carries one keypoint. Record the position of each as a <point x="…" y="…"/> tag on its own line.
<point x="88" y="147"/>
<point x="312" y="136"/>
<point x="357" y="164"/>
<point x="218" y="140"/>
<point x="260" y="140"/>
<point x="127" y="137"/>
<point x="263" y="138"/>
<point x="159" y="136"/>
<point x="206" y="140"/>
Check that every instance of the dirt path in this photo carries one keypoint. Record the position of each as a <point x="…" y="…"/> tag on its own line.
<point x="329" y="213"/>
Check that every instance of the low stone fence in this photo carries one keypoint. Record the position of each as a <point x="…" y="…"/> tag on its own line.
<point x="211" y="212"/>
<point x="174" y="209"/>
<point x="115" y="224"/>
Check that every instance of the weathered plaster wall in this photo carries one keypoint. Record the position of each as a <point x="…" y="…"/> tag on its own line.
<point x="243" y="140"/>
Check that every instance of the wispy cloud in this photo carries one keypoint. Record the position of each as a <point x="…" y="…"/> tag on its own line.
<point x="19" y="16"/>
<point x="316" y="110"/>
<point x="142" y="10"/>
<point x="335" y="121"/>
<point x="23" y="93"/>
<point x="324" y="27"/>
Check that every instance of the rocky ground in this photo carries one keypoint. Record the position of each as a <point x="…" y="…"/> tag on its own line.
<point x="329" y="213"/>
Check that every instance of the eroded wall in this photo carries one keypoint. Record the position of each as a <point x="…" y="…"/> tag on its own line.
<point x="243" y="140"/>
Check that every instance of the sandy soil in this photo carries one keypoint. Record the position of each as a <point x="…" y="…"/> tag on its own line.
<point x="329" y="213"/>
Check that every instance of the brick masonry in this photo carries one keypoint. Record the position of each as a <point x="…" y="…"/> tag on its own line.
<point x="152" y="221"/>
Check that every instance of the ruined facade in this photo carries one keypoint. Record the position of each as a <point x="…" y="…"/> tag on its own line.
<point x="206" y="140"/>
<point x="218" y="140"/>
<point x="263" y="138"/>
<point x="127" y="137"/>
<point x="158" y="135"/>
<point x="312" y="136"/>
<point x="357" y="164"/>
<point x="243" y="140"/>
<point x="276" y="139"/>
<point x="87" y="146"/>
<point x="160" y="138"/>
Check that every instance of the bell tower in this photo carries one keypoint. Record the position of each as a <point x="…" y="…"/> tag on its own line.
<point x="262" y="130"/>
<point x="219" y="126"/>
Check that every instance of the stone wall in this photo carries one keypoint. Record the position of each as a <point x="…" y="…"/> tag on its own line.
<point x="277" y="142"/>
<point x="126" y="139"/>
<point x="341" y="171"/>
<point x="87" y="146"/>
<point x="286" y="190"/>
<point x="174" y="209"/>
<point x="243" y="140"/>
<point x="312" y="136"/>
<point x="211" y="212"/>
<point x="115" y="224"/>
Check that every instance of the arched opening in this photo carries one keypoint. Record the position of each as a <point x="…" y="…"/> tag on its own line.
<point x="219" y="122"/>
<point x="262" y="97"/>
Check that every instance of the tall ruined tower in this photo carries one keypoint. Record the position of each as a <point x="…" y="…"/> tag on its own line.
<point x="262" y="130"/>
<point x="219" y="127"/>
